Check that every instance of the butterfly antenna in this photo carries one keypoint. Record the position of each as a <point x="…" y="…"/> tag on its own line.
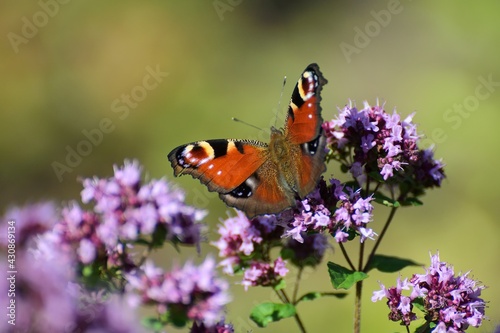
<point x="244" y="122"/>
<point x="279" y="102"/>
<point x="275" y="113"/>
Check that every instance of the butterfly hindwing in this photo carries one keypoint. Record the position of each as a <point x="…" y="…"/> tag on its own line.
<point x="261" y="193"/>
<point x="311" y="165"/>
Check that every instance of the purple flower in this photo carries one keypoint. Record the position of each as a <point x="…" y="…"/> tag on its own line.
<point x="356" y="169"/>
<point x="367" y="142"/>
<point x="40" y="295"/>
<point x="103" y="312"/>
<point x="241" y="238"/>
<point x="129" y="208"/>
<point x="220" y="327"/>
<point x="280" y="267"/>
<point x="126" y="210"/>
<point x="129" y="175"/>
<point x="450" y="301"/>
<point x="264" y="274"/>
<point x="49" y="300"/>
<point x="87" y="252"/>
<point x="311" y="214"/>
<point x="193" y="291"/>
<point x="400" y="305"/>
<point x="308" y="253"/>
<point x="28" y="221"/>
<point x="331" y="209"/>
<point x="454" y="300"/>
<point x="379" y="142"/>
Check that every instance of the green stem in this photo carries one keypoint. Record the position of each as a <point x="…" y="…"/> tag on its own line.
<point x="359" y="289"/>
<point x="379" y="238"/>
<point x="145" y="254"/>
<point x="346" y="256"/>
<point x="296" y="316"/>
<point x="296" y="288"/>
<point x="280" y="296"/>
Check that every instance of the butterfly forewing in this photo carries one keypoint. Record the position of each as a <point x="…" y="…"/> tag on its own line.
<point x="303" y="127"/>
<point x="222" y="164"/>
<point x="303" y="123"/>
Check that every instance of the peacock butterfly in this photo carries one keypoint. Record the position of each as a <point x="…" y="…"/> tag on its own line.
<point x="260" y="178"/>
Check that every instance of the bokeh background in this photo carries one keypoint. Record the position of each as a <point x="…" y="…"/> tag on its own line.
<point x="66" y="72"/>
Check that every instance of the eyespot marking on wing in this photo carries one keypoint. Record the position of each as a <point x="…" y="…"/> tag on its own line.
<point x="247" y="188"/>
<point x="194" y="155"/>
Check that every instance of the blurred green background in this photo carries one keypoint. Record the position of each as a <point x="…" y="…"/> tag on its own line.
<point x="67" y="69"/>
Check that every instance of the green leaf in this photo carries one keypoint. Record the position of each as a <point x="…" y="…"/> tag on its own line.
<point x="287" y="253"/>
<point x="388" y="264"/>
<point x="384" y="200"/>
<point x="343" y="278"/>
<point x="268" y="312"/>
<point x="152" y="323"/>
<point x="309" y="296"/>
<point x="412" y="202"/>
<point x="159" y="236"/>
<point x="176" y="315"/>
<point x="424" y="328"/>
<point x="376" y="176"/>
<point x="280" y="285"/>
<point x="315" y="295"/>
<point x="419" y="304"/>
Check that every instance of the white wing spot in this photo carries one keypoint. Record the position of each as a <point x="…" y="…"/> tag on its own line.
<point x="309" y="116"/>
<point x="211" y="166"/>
<point x="219" y="173"/>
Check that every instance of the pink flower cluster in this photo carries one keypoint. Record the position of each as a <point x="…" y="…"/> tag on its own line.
<point x="194" y="292"/>
<point x="370" y="140"/>
<point x="334" y="209"/>
<point x="245" y="246"/>
<point x="126" y="210"/>
<point x="451" y="302"/>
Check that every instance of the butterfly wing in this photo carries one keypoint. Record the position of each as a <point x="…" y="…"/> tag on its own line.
<point x="222" y="165"/>
<point x="262" y="192"/>
<point x="239" y="170"/>
<point x="303" y="128"/>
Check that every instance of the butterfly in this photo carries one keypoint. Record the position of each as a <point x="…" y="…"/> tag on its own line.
<point x="260" y="178"/>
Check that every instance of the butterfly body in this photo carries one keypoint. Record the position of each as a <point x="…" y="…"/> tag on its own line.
<point x="260" y="178"/>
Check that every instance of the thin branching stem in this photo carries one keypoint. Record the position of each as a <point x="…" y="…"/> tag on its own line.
<point x="280" y="296"/>
<point x="380" y="237"/>
<point x="296" y="288"/>
<point x="296" y="316"/>
<point x="359" y="289"/>
<point x="145" y="254"/>
<point x="346" y="256"/>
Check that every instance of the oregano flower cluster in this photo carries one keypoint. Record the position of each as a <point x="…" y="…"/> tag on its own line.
<point x="450" y="302"/>
<point x="64" y="252"/>
<point x="373" y="144"/>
